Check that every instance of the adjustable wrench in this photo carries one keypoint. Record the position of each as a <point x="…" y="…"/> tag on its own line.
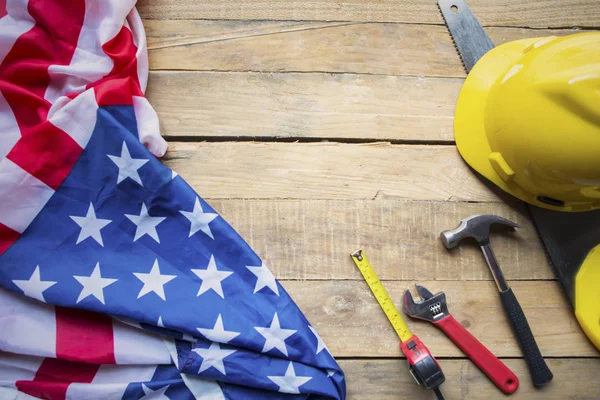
<point x="433" y="308"/>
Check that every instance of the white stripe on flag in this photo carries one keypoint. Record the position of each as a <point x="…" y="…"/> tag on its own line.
<point x="14" y="394"/>
<point x="202" y="389"/>
<point x="148" y="126"/>
<point x="110" y="382"/>
<point x="14" y="24"/>
<point x="76" y="117"/>
<point x="9" y="129"/>
<point x="102" y="22"/>
<point x="124" y="373"/>
<point x="136" y="346"/>
<point x="17" y="367"/>
<point x="22" y="196"/>
<point x="27" y="326"/>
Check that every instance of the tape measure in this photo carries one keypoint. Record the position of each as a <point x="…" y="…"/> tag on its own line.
<point x="423" y="366"/>
<point x="382" y="296"/>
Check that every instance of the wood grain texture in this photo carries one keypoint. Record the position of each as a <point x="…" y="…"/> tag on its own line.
<point x="351" y="323"/>
<point x="246" y="170"/>
<point x="390" y="380"/>
<point x="366" y="48"/>
<point x="525" y="13"/>
<point x="312" y="239"/>
<point x="304" y="105"/>
<point x="169" y="33"/>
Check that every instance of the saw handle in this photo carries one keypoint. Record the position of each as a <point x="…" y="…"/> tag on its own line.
<point x="487" y="362"/>
<point x="539" y="371"/>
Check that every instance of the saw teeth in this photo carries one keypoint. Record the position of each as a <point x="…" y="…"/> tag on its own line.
<point x="453" y="41"/>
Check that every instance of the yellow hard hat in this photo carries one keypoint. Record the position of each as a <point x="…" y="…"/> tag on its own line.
<point x="528" y="119"/>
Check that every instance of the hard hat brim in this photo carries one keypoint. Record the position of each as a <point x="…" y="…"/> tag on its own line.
<point x="469" y="118"/>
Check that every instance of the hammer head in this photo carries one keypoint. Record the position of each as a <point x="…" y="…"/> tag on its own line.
<point x="476" y="227"/>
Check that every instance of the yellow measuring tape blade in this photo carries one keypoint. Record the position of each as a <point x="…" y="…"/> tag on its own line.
<point x="382" y="296"/>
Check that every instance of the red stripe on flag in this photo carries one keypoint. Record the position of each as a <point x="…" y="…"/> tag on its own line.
<point x="54" y="377"/>
<point x="118" y="87"/>
<point x="84" y="336"/>
<point x="24" y="70"/>
<point x="84" y="341"/>
<point x="47" y="153"/>
<point x="3" y="11"/>
<point x="7" y="237"/>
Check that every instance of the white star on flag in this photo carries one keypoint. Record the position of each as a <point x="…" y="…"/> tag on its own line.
<point x="159" y="322"/>
<point x="199" y="219"/>
<point x="174" y="174"/>
<point x="93" y="285"/>
<point x="211" y="278"/>
<point x="289" y="383"/>
<point x="128" y="167"/>
<point x="146" y="225"/>
<point x="320" y="343"/>
<point x="275" y="336"/>
<point x="154" y="281"/>
<point x="90" y="226"/>
<point x="34" y="287"/>
<point x="218" y="333"/>
<point x="213" y="357"/>
<point x="265" y="278"/>
<point x="158" y="394"/>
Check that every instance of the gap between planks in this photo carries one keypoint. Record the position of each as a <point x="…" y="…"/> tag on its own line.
<point x="316" y="139"/>
<point x="363" y="48"/>
<point x="464" y="357"/>
<point x="327" y="171"/>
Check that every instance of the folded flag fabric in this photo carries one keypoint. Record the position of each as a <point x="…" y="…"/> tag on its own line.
<point x="53" y="352"/>
<point x="119" y="280"/>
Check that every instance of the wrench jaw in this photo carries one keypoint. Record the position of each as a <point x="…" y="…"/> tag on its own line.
<point x="430" y="308"/>
<point x="424" y="292"/>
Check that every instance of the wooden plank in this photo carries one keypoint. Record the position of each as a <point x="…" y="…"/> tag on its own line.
<point x="312" y="239"/>
<point x="366" y="48"/>
<point x="169" y="33"/>
<point x="525" y="13"/>
<point x="390" y="380"/>
<point x="230" y="170"/>
<point x="351" y="323"/>
<point x="304" y="105"/>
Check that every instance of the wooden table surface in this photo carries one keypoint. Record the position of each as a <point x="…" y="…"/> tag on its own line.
<point x="315" y="138"/>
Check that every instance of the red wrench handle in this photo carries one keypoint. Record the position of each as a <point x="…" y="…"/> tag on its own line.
<point x="487" y="362"/>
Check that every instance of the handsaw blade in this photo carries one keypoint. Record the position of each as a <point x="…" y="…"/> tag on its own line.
<point x="469" y="37"/>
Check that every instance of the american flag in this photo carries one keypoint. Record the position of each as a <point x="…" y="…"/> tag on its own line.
<point x="118" y="279"/>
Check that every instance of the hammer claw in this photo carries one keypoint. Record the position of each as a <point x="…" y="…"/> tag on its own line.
<point x="476" y="227"/>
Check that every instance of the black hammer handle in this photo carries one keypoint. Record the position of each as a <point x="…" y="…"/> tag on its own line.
<point x="540" y="373"/>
